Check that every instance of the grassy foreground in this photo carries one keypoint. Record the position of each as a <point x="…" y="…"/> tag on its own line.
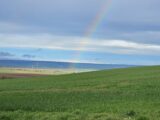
<point x="120" y="94"/>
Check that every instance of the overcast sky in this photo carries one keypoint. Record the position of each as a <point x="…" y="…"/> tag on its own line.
<point x="129" y="32"/>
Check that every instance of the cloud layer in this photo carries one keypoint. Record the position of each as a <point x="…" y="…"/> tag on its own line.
<point x="78" y="43"/>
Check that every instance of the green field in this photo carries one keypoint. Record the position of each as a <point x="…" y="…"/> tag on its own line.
<point x="119" y="94"/>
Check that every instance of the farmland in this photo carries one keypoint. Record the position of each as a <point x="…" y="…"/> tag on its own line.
<point x="35" y="71"/>
<point x="118" y="94"/>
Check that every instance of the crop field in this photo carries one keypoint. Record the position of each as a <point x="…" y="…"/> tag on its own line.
<point x="119" y="94"/>
<point x="35" y="71"/>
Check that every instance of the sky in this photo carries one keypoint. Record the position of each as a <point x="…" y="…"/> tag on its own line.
<point x="92" y="31"/>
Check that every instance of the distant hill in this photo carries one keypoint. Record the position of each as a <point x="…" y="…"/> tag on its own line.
<point x="58" y="65"/>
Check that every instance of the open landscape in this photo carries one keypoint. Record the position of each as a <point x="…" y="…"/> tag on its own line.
<point x="119" y="94"/>
<point x="28" y="72"/>
<point x="6" y="73"/>
<point x="24" y="68"/>
<point x="79" y="60"/>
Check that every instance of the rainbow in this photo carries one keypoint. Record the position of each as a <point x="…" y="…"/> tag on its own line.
<point x="91" y="29"/>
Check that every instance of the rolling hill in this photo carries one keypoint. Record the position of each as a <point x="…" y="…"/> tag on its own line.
<point x="119" y="94"/>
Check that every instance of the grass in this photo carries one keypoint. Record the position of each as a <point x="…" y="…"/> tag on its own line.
<point x="119" y="94"/>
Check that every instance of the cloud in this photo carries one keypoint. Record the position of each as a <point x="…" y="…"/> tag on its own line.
<point x="6" y="55"/>
<point x="128" y="27"/>
<point x="47" y="41"/>
<point x="7" y="27"/>
<point x="72" y="17"/>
